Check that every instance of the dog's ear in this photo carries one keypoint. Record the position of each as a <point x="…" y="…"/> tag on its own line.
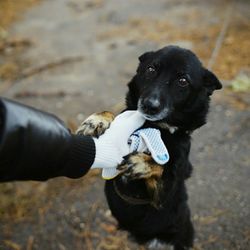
<point x="146" y="56"/>
<point x="211" y="82"/>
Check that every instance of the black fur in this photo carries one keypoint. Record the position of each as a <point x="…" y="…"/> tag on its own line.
<point x="157" y="87"/>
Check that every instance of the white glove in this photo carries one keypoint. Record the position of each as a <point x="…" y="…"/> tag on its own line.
<point x="149" y="140"/>
<point x="113" y="144"/>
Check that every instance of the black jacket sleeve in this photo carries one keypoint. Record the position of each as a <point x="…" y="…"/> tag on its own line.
<point x="35" y="145"/>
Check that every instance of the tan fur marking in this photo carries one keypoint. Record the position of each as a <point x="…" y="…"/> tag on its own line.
<point x="141" y="166"/>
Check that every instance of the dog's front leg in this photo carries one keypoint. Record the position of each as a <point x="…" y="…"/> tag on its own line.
<point x="96" y="124"/>
<point x="142" y="166"/>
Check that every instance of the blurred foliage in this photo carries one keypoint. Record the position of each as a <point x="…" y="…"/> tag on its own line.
<point x="241" y="83"/>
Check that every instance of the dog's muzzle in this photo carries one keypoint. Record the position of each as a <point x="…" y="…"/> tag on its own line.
<point x="152" y="109"/>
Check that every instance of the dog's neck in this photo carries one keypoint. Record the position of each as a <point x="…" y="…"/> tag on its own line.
<point x="164" y="125"/>
<point x="171" y="129"/>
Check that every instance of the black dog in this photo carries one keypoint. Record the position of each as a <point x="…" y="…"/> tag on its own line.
<point x="172" y="90"/>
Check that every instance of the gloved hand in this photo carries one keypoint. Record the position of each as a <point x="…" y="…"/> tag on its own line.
<point x="113" y="144"/>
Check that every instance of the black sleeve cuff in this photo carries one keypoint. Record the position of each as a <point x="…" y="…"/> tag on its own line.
<point x="81" y="156"/>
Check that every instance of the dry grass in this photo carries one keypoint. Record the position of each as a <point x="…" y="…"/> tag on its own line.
<point x="235" y="51"/>
<point x="19" y="199"/>
<point x="233" y="56"/>
<point x="11" y="10"/>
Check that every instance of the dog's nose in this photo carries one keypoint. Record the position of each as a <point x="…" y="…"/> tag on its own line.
<point x="151" y="106"/>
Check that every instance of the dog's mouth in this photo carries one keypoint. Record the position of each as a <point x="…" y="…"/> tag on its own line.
<point x="154" y="117"/>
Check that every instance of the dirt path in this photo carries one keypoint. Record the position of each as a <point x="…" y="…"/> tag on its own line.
<point x="72" y="58"/>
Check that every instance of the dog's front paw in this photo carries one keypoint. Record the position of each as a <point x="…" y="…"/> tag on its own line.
<point x="96" y="124"/>
<point x="140" y="166"/>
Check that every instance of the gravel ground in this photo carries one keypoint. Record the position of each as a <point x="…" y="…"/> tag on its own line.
<point x="73" y="58"/>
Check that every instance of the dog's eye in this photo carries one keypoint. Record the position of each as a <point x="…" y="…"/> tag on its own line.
<point x="183" y="82"/>
<point x="150" y="71"/>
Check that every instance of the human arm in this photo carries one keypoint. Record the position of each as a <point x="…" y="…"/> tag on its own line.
<point x="35" y="145"/>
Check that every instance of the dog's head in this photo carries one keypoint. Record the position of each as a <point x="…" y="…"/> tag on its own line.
<point x="172" y="87"/>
